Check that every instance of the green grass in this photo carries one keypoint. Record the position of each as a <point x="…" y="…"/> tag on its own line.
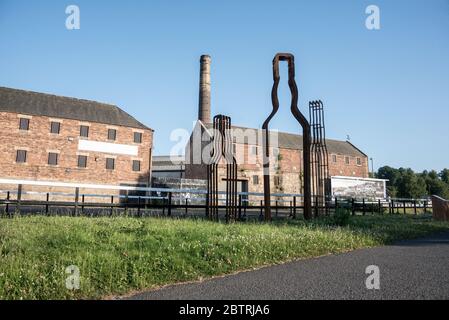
<point x="117" y="255"/>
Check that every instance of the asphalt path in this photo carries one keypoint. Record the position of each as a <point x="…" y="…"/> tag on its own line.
<point x="412" y="269"/>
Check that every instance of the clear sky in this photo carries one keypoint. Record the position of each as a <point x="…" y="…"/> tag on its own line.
<point x="387" y="89"/>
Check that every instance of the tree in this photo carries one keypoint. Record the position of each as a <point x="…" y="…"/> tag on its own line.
<point x="409" y="185"/>
<point x="444" y="175"/>
<point x="390" y="174"/>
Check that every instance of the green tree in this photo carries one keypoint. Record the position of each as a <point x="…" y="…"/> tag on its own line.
<point x="390" y="174"/>
<point x="444" y="175"/>
<point x="435" y="184"/>
<point x="410" y="185"/>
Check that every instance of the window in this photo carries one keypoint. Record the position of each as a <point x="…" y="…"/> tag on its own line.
<point x="55" y="127"/>
<point x="82" y="161"/>
<point x="255" y="179"/>
<point x="137" y="137"/>
<point x="21" y="156"/>
<point x="347" y="160"/>
<point x="52" y="159"/>
<point x="110" y="163"/>
<point x="24" y="124"/>
<point x="84" y="131"/>
<point x="334" y="158"/>
<point x="254" y="150"/>
<point x="277" y="181"/>
<point x="359" y="161"/>
<point x="112" y="134"/>
<point x="136" y="165"/>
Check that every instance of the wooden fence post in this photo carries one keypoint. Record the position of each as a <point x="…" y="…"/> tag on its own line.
<point x="380" y="206"/>
<point x="77" y="194"/>
<point x="138" y="206"/>
<point x="414" y="206"/>
<point x="364" y="207"/>
<point x="46" y="204"/>
<point x="405" y="212"/>
<point x="8" y="197"/>
<point x="187" y="203"/>
<point x="111" y="213"/>
<point x="353" y="206"/>
<point x="294" y="207"/>
<point x="19" y="197"/>
<point x="82" y="204"/>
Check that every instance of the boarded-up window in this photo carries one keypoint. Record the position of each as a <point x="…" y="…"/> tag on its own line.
<point x="137" y="137"/>
<point x="334" y="158"/>
<point x="82" y="161"/>
<point x="110" y="163"/>
<point x="359" y="161"/>
<point x="112" y="134"/>
<point x="136" y="165"/>
<point x="21" y="156"/>
<point x="255" y="179"/>
<point x="84" y="131"/>
<point x="277" y="181"/>
<point x="55" y="127"/>
<point x="24" y="124"/>
<point x="52" y="159"/>
<point x="347" y="160"/>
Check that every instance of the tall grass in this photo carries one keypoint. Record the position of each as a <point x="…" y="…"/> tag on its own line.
<point x="117" y="255"/>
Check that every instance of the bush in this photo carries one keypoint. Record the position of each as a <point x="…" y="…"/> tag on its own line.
<point x="341" y="217"/>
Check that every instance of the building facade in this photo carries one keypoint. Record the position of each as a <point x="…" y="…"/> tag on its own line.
<point x="286" y="159"/>
<point x="51" y="138"/>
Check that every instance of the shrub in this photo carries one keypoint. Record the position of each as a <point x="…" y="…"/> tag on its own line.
<point x="341" y="217"/>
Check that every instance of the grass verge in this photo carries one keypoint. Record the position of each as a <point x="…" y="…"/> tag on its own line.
<point x="118" y="255"/>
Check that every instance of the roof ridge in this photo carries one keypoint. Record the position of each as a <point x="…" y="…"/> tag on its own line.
<point x="60" y="96"/>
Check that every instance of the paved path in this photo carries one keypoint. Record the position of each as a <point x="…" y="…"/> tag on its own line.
<point x="414" y="269"/>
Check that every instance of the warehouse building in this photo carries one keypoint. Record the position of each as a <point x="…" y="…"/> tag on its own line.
<point x="59" y="139"/>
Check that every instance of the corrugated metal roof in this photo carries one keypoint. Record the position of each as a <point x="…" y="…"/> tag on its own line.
<point x="42" y="104"/>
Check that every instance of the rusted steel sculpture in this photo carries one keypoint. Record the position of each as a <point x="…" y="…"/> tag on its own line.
<point x="306" y="134"/>
<point x="319" y="156"/>
<point x="222" y="148"/>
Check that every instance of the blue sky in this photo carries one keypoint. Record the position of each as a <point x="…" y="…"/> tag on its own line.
<point x="388" y="89"/>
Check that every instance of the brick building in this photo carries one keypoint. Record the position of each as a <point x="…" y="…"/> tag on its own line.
<point x="286" y="159"/>
<point x="53" y="138"/>
<point x="286" y="153"/>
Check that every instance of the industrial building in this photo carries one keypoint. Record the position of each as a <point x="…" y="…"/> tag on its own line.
<point x="59" y="139"/>
<point x="344" y="159"/>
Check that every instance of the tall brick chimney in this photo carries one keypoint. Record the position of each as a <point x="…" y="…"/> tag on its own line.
<point x="204" y="99"/>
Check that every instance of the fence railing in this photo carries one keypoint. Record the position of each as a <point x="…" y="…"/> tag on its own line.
<point x="182" y="202"/>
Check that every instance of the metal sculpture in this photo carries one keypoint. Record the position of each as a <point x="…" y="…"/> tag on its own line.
<point x="222" y="148"/>
<point x="306" y="134"/>
<point x="319" y="156"/>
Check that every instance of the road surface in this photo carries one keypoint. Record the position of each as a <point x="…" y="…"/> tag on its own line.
<point x="412" y="269"/>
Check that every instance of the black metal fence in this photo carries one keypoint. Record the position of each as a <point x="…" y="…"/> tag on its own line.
<point x="177" y="203"/>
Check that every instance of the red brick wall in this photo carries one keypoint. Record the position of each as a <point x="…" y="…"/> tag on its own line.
<point x="288" y="166"/>
<point x="38" y="141"/>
